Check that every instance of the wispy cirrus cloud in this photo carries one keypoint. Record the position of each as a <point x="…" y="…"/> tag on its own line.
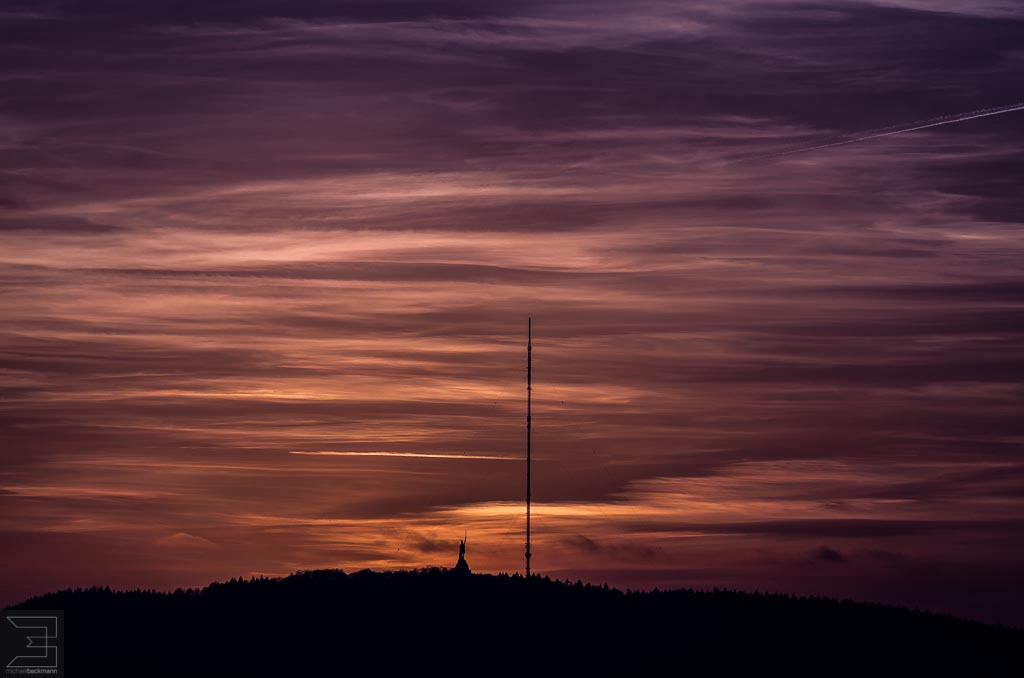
<point x="232" y="233"/>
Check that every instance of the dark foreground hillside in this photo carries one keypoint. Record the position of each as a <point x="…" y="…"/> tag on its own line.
<point x="329" y="623"/>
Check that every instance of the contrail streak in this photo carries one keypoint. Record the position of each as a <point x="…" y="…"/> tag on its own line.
<point x="900" y="129"/>
<point x="422" y="455"/>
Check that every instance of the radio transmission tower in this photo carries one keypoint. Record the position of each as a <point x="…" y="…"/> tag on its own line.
<point x="529" y="398"/>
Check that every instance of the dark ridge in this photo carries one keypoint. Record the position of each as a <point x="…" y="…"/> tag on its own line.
<point x="327" y="622"/>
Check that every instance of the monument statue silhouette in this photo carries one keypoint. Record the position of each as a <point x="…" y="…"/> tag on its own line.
<point x="462" y="567"/>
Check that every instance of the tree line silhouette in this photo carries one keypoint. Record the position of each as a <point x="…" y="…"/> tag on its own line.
<point x="329" y="622"/>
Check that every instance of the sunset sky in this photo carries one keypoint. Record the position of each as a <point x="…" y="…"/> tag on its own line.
<point x="265" y="271"/>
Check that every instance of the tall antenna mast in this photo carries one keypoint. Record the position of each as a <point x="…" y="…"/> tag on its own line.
<point x="529" y="398"/>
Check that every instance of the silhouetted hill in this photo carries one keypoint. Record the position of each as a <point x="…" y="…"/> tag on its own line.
<point x="326" y="622"/>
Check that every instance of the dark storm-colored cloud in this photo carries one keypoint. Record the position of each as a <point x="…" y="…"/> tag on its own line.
<point x="31" y="222"/>
<point x="827" y="554"/>
<point x="988" y="184"/>
<point x="1006" y="290"/>
<point x="851" y="528"/>
<point x="234" y="12"/>
<point x="593" y="548"/>
<point x="433" y="546"/>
